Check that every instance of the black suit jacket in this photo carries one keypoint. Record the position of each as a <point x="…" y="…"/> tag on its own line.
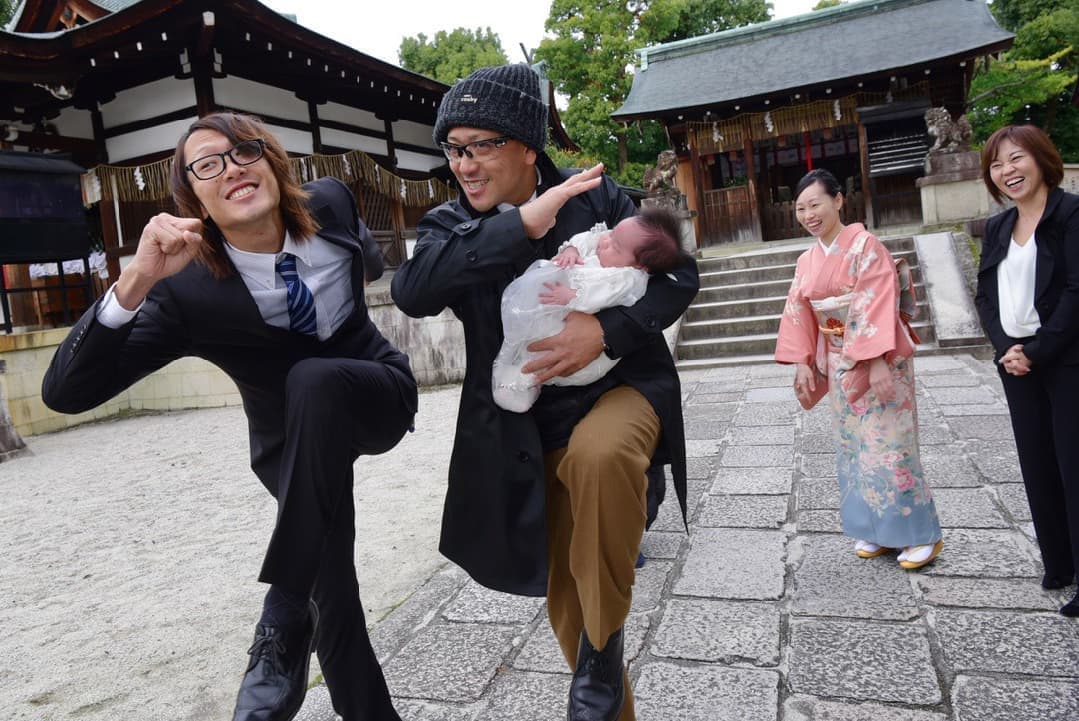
<point x="1056" y="282"/>
<point x="194" y="314"/>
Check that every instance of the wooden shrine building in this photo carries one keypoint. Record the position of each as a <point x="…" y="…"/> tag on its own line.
<point x="113" y="83"/>
<point x="751" y="110"/>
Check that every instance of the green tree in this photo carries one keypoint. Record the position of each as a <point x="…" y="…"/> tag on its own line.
<point x="453" y="55"/>
<point x="7" y="7"/>
<point x="1035" y="80"/>
<point x="1014" y="14"/>
<point x="589" y="56"/>
<point x="825" y="4"/>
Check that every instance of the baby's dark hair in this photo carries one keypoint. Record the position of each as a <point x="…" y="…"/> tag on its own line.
<point x="661" y="251"/>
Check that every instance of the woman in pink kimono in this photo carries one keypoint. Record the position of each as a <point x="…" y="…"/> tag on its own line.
<point x="843" y="329"/>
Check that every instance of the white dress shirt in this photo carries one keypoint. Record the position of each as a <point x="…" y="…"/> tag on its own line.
<point x="324" y="267"/>
<point x="1015" y="290"/>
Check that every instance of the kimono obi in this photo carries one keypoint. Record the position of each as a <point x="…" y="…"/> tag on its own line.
<point x="831" y="316"/>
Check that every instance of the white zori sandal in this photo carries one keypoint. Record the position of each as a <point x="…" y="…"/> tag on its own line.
<point x="865" y="549"/>
<point x="917" y="556"/>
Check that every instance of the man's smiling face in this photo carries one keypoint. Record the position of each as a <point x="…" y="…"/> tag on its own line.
<point x="507" y="176"/>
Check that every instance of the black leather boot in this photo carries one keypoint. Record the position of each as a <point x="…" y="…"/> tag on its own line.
<point x="597" y="691"/>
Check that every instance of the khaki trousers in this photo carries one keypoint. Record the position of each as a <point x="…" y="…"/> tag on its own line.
<point x="596" y="509"/>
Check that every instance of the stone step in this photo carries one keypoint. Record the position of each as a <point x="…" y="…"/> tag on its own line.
<point x="720" y="328"/>
<point x="735" y="308"/>
<point x="711" y="277"/>
<point x="762" y="290"/>
<point x="742" y="308"/>
<point x="924" y="349"/>
<point x="737" y="311"/>
<point x="758" y="344"/>
<point x="783" y="255"/>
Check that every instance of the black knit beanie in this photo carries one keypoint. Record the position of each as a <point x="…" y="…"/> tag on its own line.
<point x="505" y="99"/>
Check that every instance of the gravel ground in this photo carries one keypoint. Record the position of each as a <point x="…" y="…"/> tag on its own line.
<point x="131" y="549"/>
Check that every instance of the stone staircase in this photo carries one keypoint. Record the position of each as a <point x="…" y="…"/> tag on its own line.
<point x="735" y="316"/>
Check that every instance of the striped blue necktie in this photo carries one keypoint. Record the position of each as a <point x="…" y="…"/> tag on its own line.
<point x="301" y="304"/>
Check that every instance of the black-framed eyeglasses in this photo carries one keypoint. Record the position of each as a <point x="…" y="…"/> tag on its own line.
<point x="211" y="166"/>
<point x="479" y="150"/>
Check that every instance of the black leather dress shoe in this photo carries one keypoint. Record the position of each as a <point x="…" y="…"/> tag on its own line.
<point x="597" y="691"/>
<point x="1071" y="608"/>
<point x="276" y="679"/>
<point x="1054" y="581"/>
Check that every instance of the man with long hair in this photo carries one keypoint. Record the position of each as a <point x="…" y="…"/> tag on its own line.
<point x="264" y="278"/>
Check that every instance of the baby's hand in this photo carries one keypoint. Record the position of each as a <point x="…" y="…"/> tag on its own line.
<point x="568" y="258"/>
<point x="556" y="294"/>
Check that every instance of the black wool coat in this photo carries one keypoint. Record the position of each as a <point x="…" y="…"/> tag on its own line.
<point x="494" y="523"/>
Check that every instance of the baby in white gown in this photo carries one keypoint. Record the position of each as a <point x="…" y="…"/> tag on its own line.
<point x="593" y="270"/>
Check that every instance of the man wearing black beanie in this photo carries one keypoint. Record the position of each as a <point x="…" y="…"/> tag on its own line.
<point x="552" y="501"/>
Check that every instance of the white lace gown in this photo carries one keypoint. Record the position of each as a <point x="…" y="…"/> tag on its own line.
<point x="525" y="319"/>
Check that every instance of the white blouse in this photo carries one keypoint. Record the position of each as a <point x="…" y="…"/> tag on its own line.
<point x="1015" y="288"/>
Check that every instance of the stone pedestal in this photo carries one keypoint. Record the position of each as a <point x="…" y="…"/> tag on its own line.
<point x="11" y="443"/>
<point x="952" y="189"/>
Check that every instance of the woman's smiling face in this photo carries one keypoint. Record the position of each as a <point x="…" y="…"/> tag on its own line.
<point x="1015" y="172"/>
<point x="818" y="212"/>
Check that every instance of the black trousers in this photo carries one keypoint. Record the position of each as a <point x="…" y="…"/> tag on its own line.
<point x="1044" y="406"/>
<point x="336" y="409"/>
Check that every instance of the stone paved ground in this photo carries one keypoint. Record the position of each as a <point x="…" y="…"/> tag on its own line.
<point x="761" y="613"/>
<point x="764" y="613"/>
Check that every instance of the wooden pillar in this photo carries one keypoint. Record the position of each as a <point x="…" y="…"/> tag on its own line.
<point x="391" y="144"/>
<point x="867" y="190"/>
<point x="110" y="238"/>
<point x="202" y="65"/>
<point x="316" y="129"/>
<point x="98" y="124"/>
<point x="20" y="305"/>
<point x="751" y="178"/>
<point x="704" y="230"/>
<point x="397" y="205"/>
<point x="204" y="86"/>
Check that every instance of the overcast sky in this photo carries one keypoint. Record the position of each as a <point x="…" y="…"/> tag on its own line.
<point x="376" y="28"/>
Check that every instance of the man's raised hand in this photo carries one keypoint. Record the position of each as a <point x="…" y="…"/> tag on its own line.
<point x="538" y="216"/>
<point x="165" y="248"/>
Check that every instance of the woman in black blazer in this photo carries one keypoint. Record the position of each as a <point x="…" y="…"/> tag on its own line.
<point x="1028" y="300"/>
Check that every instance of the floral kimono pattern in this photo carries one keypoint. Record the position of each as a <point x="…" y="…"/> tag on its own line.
<point x="841" y="312"/>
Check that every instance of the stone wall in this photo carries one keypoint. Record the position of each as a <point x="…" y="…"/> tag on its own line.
<point x="435" y="347"/>
<point x="953" y="191"/>
<point x="186" y="383"/>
